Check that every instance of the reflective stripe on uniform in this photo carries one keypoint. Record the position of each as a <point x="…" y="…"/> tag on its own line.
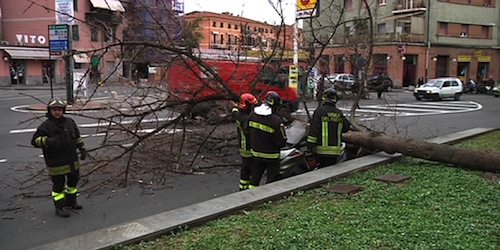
<point x="312" y="139"/>
<point x="71" y="190"/>
<point x="41" y="141"/>
<point x="65" y="169"/>
<point x="265" y="155"/>
<point x="244" y="184"/>
<point x="261" y="126"/>
<point x="328" y="150"/>
<point x="251" y="186"/>
<point x="57" y="196"/>
<point x="244" y="152"/>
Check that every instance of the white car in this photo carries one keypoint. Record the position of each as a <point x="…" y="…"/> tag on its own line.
<point x="439" y="88"/>
<point x="341" y="80"/>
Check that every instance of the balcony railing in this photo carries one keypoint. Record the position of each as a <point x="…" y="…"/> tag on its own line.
<point x="103" y="16"/>
<point x="408" y="6"/>
<point x="403" y="37"/>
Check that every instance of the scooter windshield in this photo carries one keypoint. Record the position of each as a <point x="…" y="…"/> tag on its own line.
<point x="296" y="132"/>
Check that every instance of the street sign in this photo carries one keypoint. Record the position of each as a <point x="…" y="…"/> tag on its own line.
<point x="58" y="39"/>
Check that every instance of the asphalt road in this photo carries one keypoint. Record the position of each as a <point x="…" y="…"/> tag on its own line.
<point x="30" y="221"/>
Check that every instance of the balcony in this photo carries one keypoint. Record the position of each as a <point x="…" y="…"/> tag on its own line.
<point x="402" y="37"/>
<point x="103" y="16"/>
<point x="408" y="6"/>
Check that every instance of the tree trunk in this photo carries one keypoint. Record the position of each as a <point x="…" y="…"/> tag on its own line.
<point x="484" y="160"/>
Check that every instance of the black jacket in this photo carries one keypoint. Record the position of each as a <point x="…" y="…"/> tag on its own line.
<point x="266" y="133"/>
<point x="59" y="139"/>
<point x="241" y="117"/>
<point x="325" y="132"/>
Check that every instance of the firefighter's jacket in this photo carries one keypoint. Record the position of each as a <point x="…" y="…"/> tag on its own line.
<point x="325" y="132"/>
<point x="59" y="151"/>
<point x="266" y="133"/>
<point x="240" y="117"/>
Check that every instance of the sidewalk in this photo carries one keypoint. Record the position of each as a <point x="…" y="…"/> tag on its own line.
<point x="155" y="225"/>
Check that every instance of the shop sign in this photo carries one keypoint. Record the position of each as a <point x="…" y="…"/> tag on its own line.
<point x="464" y="58"/>
<point x="484" y="58"/>
<point x="30" y="39"/>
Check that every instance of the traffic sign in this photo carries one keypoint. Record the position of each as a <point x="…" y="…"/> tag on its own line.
<point x="58" y="39"/>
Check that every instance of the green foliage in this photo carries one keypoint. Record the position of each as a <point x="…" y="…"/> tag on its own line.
<point x="440" y="207"/>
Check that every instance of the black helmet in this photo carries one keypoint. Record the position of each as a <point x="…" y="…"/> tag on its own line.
<point x="56" y="103"/>
<point x="273" y="99"/>
<point x="330" y="95"/>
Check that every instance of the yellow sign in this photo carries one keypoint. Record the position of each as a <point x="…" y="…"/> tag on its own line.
<point x="484" y="58"/>
<point x="464" y="58"/>
<point x="293" y="76"/>
<point x="307" y="8"/>
<point x="478" y="53"/>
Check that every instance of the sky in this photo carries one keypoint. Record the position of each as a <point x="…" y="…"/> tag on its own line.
<point x="259" y="10"/>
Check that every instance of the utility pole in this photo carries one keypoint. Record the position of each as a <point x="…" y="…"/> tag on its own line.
<point x="70" y="65"/>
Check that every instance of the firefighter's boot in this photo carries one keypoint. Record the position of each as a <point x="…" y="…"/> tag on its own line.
<point x="61" y="209"/>
<point x="244" y="184"/>
<point x="72" y="203"/>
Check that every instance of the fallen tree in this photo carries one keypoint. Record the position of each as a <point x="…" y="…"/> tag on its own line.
<point x="484" y="160"/>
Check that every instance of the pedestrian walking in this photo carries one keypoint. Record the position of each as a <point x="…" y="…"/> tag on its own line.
<point x="267" y="136"/>
<point x="380" y="85"/>
<point x="59" y="139"/>
<point x="324" y="139"/>
<point x="240" y="115"/>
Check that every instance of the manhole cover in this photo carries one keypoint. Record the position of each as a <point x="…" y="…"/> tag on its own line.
<point x="345" y="189"/>
<point x="394" y="178"/>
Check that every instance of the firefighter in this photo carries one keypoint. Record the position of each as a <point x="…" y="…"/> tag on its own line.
<point x="240" y="115"/>
<point x="59" y="139"/>
<point x="267" y="136"/>
<point x="324" y="139"/>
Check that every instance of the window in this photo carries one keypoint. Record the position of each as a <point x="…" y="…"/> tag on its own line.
<point x="381" y="29"/>
<point x="382" y="2"/>
<point x="348" y="5"/>
<point x="94" y="34"/>
<point x="236" y="26"/>
<point x="76" y="32"/>
<point x="464" y="30"/>
<point x="229" y="38"/>
<point x="75" y="5"/>
<point x="443" y="29"/>
<point x="485" y="32"/>
<point x="228" y="25"/>
<point x="215" y="38"/>
<point x="107" y="35"/>
<point x="221" y="39"/>
<point x="221" y="24"/>
<point x="214" y="24"/>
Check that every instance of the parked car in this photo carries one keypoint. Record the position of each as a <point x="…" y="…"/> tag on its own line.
<point x="372" y="83"/>
<point x="439" y="88"/>
<point x="341" y="81"/>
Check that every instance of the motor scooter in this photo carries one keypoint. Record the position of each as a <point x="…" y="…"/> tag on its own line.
<point x="294" y="157"/>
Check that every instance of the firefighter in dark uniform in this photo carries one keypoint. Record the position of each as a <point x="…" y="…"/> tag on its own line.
<point x="59" y="139"/>
<point x="324" y="139"/>
<point x="267" y="136"/>
<point x="240" y="115"/>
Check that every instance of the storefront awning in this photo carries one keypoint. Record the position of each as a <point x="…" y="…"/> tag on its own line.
<point x="81" y="58"/>
<point x="113" y="5"/>
<point x="29" y="53"/>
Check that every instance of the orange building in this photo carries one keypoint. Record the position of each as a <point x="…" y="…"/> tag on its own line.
<point x="226" y="31"/>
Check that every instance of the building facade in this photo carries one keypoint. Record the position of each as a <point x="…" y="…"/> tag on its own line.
<point x="416" y="38"/>
<point x="25" y="40"/>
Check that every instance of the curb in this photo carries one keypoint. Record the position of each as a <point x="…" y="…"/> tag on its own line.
<point x="155" y="225"/>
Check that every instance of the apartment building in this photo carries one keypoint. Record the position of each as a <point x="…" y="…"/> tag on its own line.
<point x="225" y="31"/>
<point x="416" y="38"/>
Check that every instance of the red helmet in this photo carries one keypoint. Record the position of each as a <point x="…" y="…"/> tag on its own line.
<point x="246" y="100"/>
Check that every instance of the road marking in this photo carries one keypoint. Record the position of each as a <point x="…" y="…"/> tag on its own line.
<point x="98" y="124"/>
<point x="3" y="160"/>
<point x="370" y="112"/>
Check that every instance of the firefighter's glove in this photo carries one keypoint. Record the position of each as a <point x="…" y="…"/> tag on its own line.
<point x="83" y="154"/>
<point x="53" y="142"/>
